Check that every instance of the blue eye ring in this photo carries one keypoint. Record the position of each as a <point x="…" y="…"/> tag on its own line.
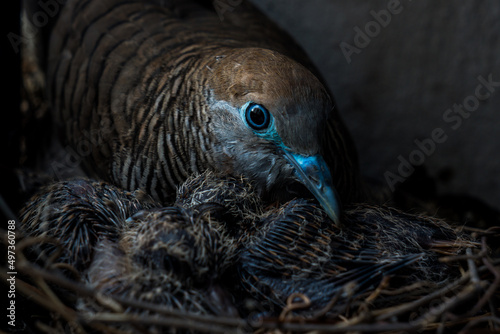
<point x="257" y="117"/>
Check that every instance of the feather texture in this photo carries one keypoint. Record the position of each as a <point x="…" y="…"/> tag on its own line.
<point x="219" y="241"/>
<point x="159" y="85"/>
<point x="72" y="216"/>
<point x="298" y="250"/>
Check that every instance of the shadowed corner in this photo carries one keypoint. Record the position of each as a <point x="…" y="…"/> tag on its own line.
<point x="314" y="173"/>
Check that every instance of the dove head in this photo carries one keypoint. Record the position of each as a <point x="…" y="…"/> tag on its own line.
<point x="268" y="119"/>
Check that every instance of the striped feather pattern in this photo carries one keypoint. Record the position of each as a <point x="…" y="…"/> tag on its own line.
<point x="144" y="76"/>
<point x="298" y="250"/>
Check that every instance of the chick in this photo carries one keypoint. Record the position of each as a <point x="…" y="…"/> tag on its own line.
<point x="297" y="249"/>
<point x="172" y="257"/>
<point x="72" y="216"/>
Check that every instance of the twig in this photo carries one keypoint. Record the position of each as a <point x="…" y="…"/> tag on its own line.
<point x="474" y="323"/>
<point x="491" y="289"/>
<point x="474" y="276"/>
<point x="329" y="305"/>
<point x="404" y="289"/>
<point x="341" y="328"/>
<point x="82" y="290"/>
<point x="458" y="321"/>
<point x="365" y="321"/>
<point x="433" y="314"/>
<point x="387" y="313"/>
<point x="291" y="305"/>
<point x="154" y="320"/>
<point x="394" y="311"/>
<point x="384" y="283"/>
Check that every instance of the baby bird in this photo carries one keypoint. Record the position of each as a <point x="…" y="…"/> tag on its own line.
<point x="76" y="214"/>
<point x="218" y="249"/>
<point x="187" y="242"/>
<point x="233" y="201"/>
<point x="152" y="92"/>
<point x="297" y="249"/>
<point x="172" y="257"/>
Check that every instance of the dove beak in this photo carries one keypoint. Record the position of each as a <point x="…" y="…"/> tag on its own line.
<point x="313" y="172"/>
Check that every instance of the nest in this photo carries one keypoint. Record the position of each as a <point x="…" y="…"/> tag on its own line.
<point x="56" y="297"/>
<point x="463" y="304"/>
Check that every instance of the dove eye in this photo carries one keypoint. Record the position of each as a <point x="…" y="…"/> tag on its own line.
<point x="257" y="117"/>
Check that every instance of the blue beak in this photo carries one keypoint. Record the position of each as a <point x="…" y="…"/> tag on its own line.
<point x="315" y="175"/>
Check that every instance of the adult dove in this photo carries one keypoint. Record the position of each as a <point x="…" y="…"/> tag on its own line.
<point x="150" y="92"/>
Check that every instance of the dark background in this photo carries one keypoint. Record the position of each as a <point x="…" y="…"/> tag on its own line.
<point x="10" y="117"/>
<point x="396" y="90"/>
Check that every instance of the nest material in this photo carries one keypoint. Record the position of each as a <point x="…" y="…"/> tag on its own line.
<point x="474" y="294"/>
<point x="188" y="268"/>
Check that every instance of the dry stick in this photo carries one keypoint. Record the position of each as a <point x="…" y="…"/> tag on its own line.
<point x="34" y="271"/>
<point x="493" y="286"/>
<point x="478" y="321"/>
<point x="45" y="328"/>
<point x="397" y="310"/>
<point x="108" y="302"/>
<point x="30" y="241"/>
<point x="300" y="327"/>
<point x="468" y="256"/>
<point x="329" y="305"/>
<point x="384" y="283"/>
<point x="457" y="321"/>
<point x="199" y="321"/>
<point x="490" y="230"/>
<point x="456" y="258"/>
<point x="85" y="291"/>
<point x="290" y="326"/>
<point x="108" y="329"/>
<point x="173" y="322"/>
<point x="158" y="321"/>
<point x="474" y="276"/>
<point x="350" y="288"/>
<point x="27" y="242"/>
<point x="408" y="288"/>
<point x="69" y="268"/>
<point x="476" y="285"/>
<point x="429" y="316"/>
<point x="491" y="290"/>
<point x="419" y="323"/>
<point x="32" y="293"/>
<point x="433" y="314"/>
<point x="57" y="304"/>
<point x="393" y="311"/>
<point x="35" y="294"/>
<point x="58" y="279"/>
<point x="54" y="302"/>
<point x="225" y="321"/>
<point x="291" y="305"/>
<point x="341" y="328"/>
<point x="468" y="291"/>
